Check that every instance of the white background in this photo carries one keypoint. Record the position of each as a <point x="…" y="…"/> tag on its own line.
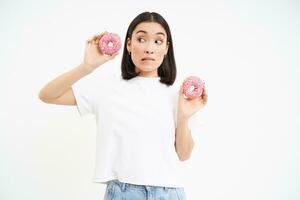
<point x="246" y="51"/>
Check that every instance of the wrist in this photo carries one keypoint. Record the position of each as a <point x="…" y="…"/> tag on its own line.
<point x="86" y="68"/>
<point x="182" y="119"/>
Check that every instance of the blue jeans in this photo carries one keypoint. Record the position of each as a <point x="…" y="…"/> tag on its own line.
<point x="116" y="190"/>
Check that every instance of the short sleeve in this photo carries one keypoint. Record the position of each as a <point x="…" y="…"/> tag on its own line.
<point x="84" y="98"/>
<point x="88" y="93"/>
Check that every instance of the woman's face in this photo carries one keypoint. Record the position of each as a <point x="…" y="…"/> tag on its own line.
<point x="148" y="46"/>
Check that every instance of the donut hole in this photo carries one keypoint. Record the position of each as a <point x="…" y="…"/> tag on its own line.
<point x="191" y="88"/>
<point x="110" y="44"/>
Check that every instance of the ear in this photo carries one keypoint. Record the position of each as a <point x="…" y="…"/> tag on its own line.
<point x="167" y="48"/>
<point x="128" y="44"/>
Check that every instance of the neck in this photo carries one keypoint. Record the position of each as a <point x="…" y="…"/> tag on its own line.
<point x="149" y="74"/>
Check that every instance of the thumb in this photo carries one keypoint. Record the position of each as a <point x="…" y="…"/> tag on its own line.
<point x="181" y="89"/>
<point x="180" y="93"/>
<point x="115" y="54"/>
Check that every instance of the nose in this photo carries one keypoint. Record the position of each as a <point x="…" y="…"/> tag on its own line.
<point x="149" y="52"/>
<point x="149" y="49"/>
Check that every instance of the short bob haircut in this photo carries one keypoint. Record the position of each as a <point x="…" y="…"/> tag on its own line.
<point x="167" y="70"/>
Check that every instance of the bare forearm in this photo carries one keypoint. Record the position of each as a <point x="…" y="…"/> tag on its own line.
<point x="184" y="142"/>
<point x="62" y="83"/>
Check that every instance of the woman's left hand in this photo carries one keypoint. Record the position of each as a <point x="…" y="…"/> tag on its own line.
<point x="186" y="108"/>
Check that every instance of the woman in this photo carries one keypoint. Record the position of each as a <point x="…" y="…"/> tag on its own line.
<point x="142" y="120"/>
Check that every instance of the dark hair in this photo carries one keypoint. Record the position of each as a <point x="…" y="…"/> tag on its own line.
<point x="167" y="70"/>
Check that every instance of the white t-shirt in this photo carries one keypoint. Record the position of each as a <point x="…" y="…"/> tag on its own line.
<point x="136" y="122"/>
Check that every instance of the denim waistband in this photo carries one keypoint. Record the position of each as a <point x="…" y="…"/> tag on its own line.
<point x="147" y="187"/>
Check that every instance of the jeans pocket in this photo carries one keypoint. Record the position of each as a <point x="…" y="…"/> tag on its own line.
<point x="110" y="191"/>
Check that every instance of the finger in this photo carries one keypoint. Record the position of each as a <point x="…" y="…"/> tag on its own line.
<point x="180" y="92"/>
<point x="102" y="34"/>
<point x="114" y="55"/>
<point x="204" y="88"/>
<point x="88" y="42"/>
<point x="99" y="37"/>
<point x="97" y="40"/>
<point x="181" y="89"/>
<point x="204" y="97"/>
<point x="181" y="95"/>
<point x="94" y="38"/>
<point x="204" y="92"/>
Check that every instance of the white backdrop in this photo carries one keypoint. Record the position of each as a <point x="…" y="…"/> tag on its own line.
<point x="248" y="146"/>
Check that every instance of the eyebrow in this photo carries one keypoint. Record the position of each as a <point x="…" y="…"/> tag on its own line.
<point x="158" y="33"/>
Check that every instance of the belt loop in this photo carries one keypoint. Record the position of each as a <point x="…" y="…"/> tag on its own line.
<point x="123" y="186"/>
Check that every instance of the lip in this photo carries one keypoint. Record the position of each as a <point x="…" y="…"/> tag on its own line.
<point x="148" y="59"/>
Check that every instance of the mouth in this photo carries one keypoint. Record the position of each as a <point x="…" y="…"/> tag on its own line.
<point x="148" y="59"/>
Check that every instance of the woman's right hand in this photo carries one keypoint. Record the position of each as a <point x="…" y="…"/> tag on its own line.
<point x="93" y="57"/>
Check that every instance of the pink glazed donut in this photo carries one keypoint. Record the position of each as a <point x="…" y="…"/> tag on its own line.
<point x="110" y="43"/>
<point x="193" y="87"/>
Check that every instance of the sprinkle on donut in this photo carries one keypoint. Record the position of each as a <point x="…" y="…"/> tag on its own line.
<point x="192" y="87"/>
<point x="110" y="43"/>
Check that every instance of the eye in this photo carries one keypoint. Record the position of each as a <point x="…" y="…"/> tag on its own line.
<point x="141" y="39"/>
<point x="159" y="41"/>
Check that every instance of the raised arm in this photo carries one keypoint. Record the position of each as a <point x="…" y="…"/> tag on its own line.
<point x="59" y="90"/>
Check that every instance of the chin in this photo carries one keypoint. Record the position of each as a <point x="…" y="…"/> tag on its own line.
<point x="148" y="68"/>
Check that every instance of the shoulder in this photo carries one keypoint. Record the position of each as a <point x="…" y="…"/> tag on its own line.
<point x="95" y="83"/>
<point x="174" y="89"/>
